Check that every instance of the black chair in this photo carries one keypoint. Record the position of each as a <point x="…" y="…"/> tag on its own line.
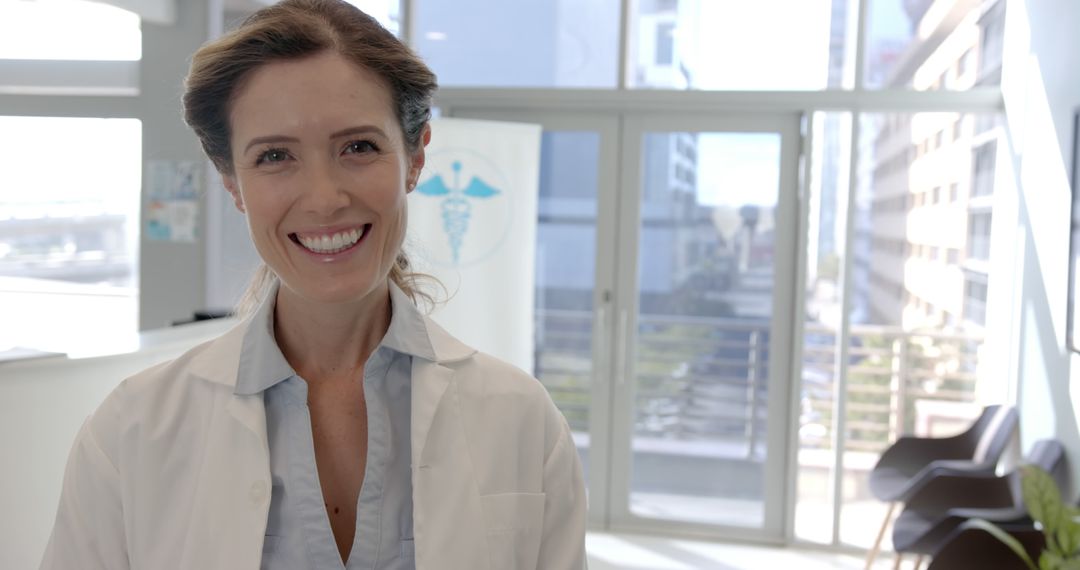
<point x="943" y="503"/>
<point x="910" y="462"/>
<point x="970" y="547"/>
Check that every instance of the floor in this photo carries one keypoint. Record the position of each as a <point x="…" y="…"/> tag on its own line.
<point x="641" y="552"/>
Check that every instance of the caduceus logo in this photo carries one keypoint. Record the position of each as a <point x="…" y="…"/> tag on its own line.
<point x="457" y="204"/>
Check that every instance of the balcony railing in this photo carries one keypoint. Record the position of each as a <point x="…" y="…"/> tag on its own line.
<point x="706" y="378"/>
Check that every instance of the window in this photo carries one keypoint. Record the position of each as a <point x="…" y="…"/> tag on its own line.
<point x="559" y="47"/>
<point x="979" y="236"/>
<point x="897" y="28"/>
<point x="936" y="277"/>
<point x="975" y="301"/>
<point x="982" y="183"/>
<point x="69" y="188"/>
<point x="387" y="12"/>
<point x="806" y="49"/>
<point x="964" y="65"/>
<point x="69" y="47"/>
<point x="71" y="30"/>
<point x="70" y="247"/>
<point x="992" y="23"/>
<point x="665" y="43"/>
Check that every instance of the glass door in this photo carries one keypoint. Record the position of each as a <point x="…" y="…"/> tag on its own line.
<point x="703" y="326"/>
<point x="664" y="302"/>
<point x="575" y="272"/>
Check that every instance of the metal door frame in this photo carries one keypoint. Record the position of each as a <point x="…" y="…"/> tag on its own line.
<point x="615" y="305"/>
<point x="778" y="466"/>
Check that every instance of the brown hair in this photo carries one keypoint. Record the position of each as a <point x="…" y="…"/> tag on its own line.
<point x="294" y="29"/>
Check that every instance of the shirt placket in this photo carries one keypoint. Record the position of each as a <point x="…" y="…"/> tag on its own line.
<point x="368" y="539"/>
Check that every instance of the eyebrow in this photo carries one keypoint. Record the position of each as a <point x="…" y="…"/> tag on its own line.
<point x="338" y="134"/>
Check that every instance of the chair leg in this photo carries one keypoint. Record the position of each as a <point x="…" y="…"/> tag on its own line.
<point x="870" y="556"/>
<point x="918" y="562"/>
<point x="896" y="563"/>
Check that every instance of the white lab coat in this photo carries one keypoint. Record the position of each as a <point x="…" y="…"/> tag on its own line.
<point x="172" y="471"/>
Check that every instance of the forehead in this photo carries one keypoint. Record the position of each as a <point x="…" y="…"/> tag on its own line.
<point x="319" y="91"/>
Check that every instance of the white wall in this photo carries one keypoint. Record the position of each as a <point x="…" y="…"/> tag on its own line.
<point x="171" y="275"/>
<point x="1041" y="85"/>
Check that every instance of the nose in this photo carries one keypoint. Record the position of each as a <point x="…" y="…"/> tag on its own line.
<point x="325" y="193"/>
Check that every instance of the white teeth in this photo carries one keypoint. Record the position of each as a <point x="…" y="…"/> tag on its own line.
<point x="333" y="244"/>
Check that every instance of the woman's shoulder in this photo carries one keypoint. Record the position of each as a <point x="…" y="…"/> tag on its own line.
<point x="497" y="374"/>
<point x="168" y="390"/>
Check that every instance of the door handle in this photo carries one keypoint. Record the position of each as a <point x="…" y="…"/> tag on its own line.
<point x="600" y="326"/>
<point x="621" y="348"/>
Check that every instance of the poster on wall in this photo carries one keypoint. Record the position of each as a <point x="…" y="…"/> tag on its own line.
<point x="1074" y="240"/>
<point x="472" y="225"/>
<point x="172" y="192"/>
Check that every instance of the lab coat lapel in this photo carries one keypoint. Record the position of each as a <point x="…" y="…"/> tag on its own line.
<point x="233" y="500"/>
<point x="448" y="517"/>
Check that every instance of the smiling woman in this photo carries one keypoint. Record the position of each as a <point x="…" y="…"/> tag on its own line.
<point x="308" y="185"/>
<point x="336" y="426"/>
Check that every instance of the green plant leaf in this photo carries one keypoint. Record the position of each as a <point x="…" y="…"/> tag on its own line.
<point x="1050" y="561"/>
<point x="1071" y="564"/>
<point x="1069" y="537"/>
<point x="1006" y="539"/>
<point x="1063" y="538"/>
<point x="1043" y="500"/>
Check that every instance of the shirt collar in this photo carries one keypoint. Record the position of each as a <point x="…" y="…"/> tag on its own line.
<point x="262" y="365"/>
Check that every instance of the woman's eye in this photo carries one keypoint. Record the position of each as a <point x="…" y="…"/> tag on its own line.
<point x="360" y="147"/>
<point x="272" y="155"/>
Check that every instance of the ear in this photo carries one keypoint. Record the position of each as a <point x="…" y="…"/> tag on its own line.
<point x="229" y="181"/>
<point x="416" y="161"/>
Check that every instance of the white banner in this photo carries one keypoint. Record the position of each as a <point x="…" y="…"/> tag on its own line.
<point x="472" y="224"/>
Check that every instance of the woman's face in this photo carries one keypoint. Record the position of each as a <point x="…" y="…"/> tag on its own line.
<point x="322" y="173"/>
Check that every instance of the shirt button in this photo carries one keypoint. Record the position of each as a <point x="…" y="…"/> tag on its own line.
<point x="258" y="492"/>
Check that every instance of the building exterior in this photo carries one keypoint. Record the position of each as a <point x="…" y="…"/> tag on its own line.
<point x="932" y="178"/>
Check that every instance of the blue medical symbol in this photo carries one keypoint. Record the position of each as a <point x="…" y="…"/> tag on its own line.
<point x="455" y="208"/>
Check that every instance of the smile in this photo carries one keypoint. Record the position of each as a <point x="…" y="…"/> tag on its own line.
<point x="331" y="243"/>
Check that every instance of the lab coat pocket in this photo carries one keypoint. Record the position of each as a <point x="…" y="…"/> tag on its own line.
<point x="514" y="522"/>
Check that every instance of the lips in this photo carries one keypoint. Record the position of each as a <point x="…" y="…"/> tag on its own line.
<point x="328" y="243"/>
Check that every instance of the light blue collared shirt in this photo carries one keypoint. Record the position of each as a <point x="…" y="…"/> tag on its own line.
<point x="298" y="534"/>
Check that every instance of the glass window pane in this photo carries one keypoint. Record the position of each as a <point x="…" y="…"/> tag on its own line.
<point x="740" y="45"/>
<point x="919" y="282"/>
<point x="387" y="12"/>
<point x="520" y="43"/>
<point x="925" y="45"/>
<point x="831" y="161"/>
<point x="565" y="269"/>
<point x="69" y="212"/>
<point x="68" y="30"/>
<point x="706" y="261"/>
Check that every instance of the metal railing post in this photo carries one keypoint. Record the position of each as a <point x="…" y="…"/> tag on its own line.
<point x="894" y="387"/>
<point x="902" y="388"/>
<point x="752" y="395"/>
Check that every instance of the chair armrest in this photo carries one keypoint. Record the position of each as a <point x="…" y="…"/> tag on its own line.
<point x="941" y="489"/>
<point x="1011" y="517"/>
<point x="919" y="451"/>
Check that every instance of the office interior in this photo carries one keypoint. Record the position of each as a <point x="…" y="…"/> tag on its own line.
<point x="772" y="237"/>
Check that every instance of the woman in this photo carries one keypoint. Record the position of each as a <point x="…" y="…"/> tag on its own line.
<point x="335" y="427"/>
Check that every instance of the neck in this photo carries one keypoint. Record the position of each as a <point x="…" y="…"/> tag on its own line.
<point x="330" y="341"/>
